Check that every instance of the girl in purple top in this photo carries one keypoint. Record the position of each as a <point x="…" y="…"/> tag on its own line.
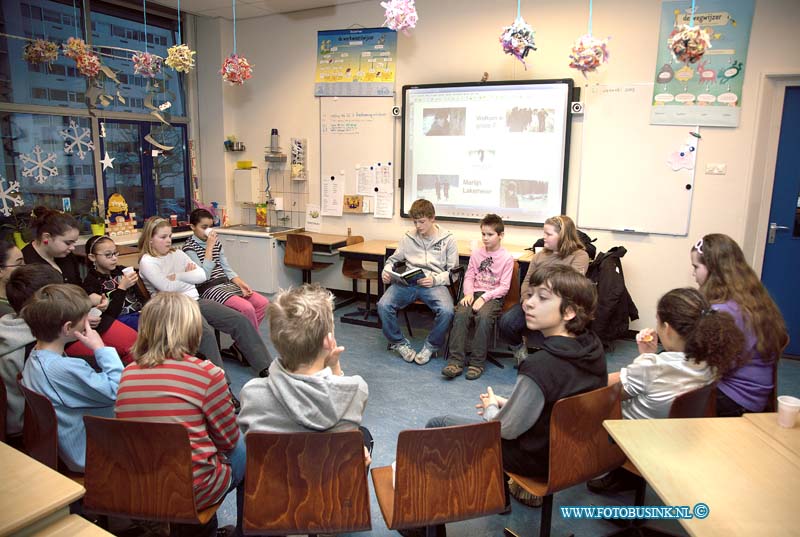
<point x="730" y="285"/>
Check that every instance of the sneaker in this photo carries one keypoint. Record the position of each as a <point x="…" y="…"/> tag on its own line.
<point x="424" y="355"/>
<point x="520" y="352"/>
<point x="523" y="496"/>
<point x="405" y="351"/>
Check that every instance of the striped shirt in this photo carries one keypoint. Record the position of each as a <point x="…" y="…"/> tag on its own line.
<point x="191" y="392"/>
<point x="218" y="287"/>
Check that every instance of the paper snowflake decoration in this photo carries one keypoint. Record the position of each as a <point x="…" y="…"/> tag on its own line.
<point x="75" y="139"/>
<point x="9" y="196"/>
<point x="518" y="40"/>
<point x="400" y="15"/>
<point x="180" y="58"/>
<point x="236" y="69"/>
<point x="42" y="167"/>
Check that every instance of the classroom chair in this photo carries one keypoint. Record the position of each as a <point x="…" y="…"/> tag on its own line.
<point x="354" y="269"/>
<point x="300" y="254"/>
<point x="443" y="475"/>
<point x="305" y="483"/>
<point x="40" y="431"/>
<point x="511" y="300"/>
<point x="141" y="470"/>
<point x="455" y="287"/>
<point x="579" y="447"/>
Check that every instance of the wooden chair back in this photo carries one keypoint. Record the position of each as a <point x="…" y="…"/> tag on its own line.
<point x="305" y="483"/>
<point x="142" y="289"/>
<point x="512" y="297"/>
<point x="299" y="251"/>
<point x="698" y="403"/>
<point x="39" y="428"/>
<point x="580" y="448"/>
<point x="353" y="268"/>
<point x="443" y="475"/>
<point x="141" y="470"/>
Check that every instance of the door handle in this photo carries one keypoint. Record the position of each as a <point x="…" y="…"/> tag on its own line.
<point x="773" y="228"/>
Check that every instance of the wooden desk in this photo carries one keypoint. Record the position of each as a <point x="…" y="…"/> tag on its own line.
<point x="32" y="496"/>
<point x="72" y="526"/>
<point x="768" y="423"/>
<point x="323" y="242"/>
<point x="728" y="464"/>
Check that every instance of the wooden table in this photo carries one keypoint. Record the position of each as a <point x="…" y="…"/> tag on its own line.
<point x="374" y="251"/>
<point x="72" y="526"/>
<point x="788" y="438"/>
<point x="32" y="496"/>
<point x="323" y="242"/>
<point x="728" y="464"/>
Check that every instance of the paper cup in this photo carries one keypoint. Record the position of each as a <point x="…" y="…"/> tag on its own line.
<point x="127" y="270"/>
<point x="94" y="312"/>
<point x="208" y="231"/>
<point x="788" y="409"/>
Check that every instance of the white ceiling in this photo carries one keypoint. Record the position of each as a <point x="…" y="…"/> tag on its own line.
<point x="247" y="9"/>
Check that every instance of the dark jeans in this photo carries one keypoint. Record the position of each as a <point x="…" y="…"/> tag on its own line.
<point x="512" y="325"/>
<point x="236" y="325"/>
<point x="484" y="321"/>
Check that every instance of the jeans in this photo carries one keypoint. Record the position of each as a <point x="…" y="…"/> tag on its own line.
<point x="512" y="325"/>
<point x="236" y="325"/>
<point x="399" y="296"/>
<point x="484" y="324"/>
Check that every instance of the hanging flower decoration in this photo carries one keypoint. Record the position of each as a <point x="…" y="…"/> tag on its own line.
<point x="180" y="58"/>
<point x="146" y="64"/>
<point x="40" y="51"/>
<point x="75" y="48"/>
<point x="517" y="40"/>
<point x="400" y="15"/>
<point x="688" y="43"/>
<point x="236" y="69"/>
<point x="589" y="53"/>
<point x="88" y="65"/>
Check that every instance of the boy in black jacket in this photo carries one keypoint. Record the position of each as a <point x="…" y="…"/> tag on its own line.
<point x="571" y="361"/>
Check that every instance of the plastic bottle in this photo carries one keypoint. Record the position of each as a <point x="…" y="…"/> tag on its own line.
<point x="275" y="141"/>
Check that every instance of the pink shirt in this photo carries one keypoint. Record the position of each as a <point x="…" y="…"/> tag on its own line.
<point x="489" y="272"/>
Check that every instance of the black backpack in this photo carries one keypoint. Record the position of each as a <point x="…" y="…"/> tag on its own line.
<point x="615" y="307"/>
<point x="585" y="239"/>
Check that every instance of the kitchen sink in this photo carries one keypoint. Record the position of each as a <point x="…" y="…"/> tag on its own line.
<point x="263" y="229"/>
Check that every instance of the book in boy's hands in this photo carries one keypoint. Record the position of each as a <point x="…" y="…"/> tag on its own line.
<point x="400" y="272"/>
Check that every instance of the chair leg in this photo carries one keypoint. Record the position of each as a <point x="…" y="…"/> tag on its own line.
<point x="408" y="324"/>
<point x="547" y="516"/>
<point x="366" y="313"/>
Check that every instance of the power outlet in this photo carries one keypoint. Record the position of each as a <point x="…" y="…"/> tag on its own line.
<point x="716" y="169"/>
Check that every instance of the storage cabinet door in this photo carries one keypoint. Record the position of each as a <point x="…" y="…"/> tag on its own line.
<point x="230" y="246"/>
<point x="255" y="263"/>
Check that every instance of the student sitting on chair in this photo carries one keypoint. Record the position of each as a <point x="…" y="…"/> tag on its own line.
<point x="435" y="252"/>
<point x="306" y="390"/>
<point x="486" y="282"/>
<point x="56" y="315"/>
<point x="16" y="340"/>
<point x="559" y="303"/>
<point x="167" y="383"/>
<point x="700" y="345"/>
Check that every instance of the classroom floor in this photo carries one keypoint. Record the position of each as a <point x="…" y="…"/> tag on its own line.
<point x="405" y="396"/>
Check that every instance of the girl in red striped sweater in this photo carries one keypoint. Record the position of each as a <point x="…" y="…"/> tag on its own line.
<point x="167" y="383"/>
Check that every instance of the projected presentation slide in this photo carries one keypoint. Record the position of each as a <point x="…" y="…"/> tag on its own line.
<point x="475" y="149"/>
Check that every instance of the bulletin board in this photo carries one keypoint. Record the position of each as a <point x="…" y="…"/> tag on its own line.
<point x="628" y="176"/>
<point x="357" y="152"/>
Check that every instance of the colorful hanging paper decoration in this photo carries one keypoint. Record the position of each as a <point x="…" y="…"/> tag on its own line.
<point x="86" y="61"/>
<point x="400" y="15"/>
<point x="146" y="64"/>
<point x="688" y="42"/>
<point x="75" y="47"/>
<point x="589" y="52"/>
<point x="180" y="58"/>
<point x="518" y="39"/>
<point x="40" y="51"/>
<point x="235" y="69"/>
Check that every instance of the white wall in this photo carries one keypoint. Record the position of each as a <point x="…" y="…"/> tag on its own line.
<point x="458" y="41"/>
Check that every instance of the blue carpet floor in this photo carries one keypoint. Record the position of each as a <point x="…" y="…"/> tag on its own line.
<point x="404" y="396"/>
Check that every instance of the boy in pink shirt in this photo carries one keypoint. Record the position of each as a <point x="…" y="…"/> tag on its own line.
<point x="486" y="283"/>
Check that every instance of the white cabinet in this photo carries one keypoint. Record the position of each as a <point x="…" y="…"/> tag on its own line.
<point x="247" y="185"/>
<point x="254" y="259"/>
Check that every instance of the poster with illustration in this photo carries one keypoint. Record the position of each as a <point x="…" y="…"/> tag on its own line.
<point x="359" y="62"/>
<point x="706" y="91"/>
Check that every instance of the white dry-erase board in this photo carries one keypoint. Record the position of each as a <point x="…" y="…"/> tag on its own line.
<point x="627" y="183"/>
<point x="356" y="131"/>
